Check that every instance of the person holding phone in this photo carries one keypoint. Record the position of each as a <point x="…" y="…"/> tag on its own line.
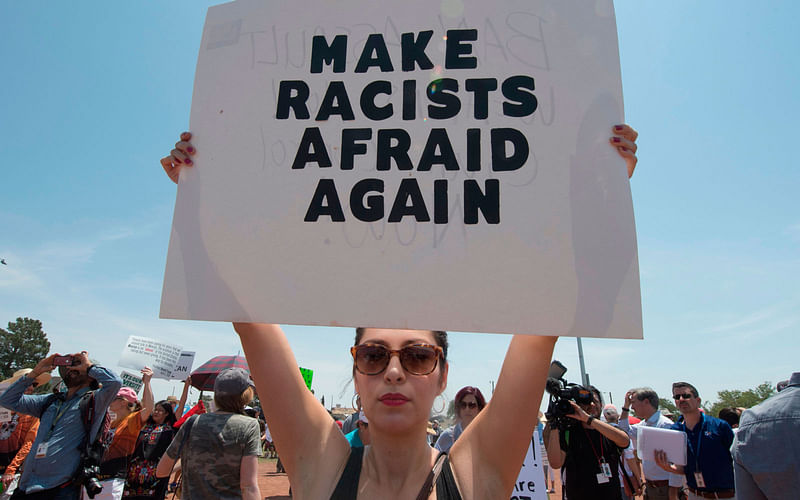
<point x="49" y="470"/>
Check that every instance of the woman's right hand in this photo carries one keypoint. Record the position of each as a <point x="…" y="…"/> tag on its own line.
<point x="179" y="157"/>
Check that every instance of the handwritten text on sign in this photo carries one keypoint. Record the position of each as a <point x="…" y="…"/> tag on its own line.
<point x="384" y="163"/>
<point x="530" y="483"/>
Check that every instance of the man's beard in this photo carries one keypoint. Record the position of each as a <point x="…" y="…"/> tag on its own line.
<point x="74" y="378"/>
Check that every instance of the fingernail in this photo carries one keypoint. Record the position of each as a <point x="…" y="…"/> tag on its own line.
<point x="618" y="127"/>
<point x="188" y="161"/>
<point x="616" y="139"/>
<point x="190" y="149"/>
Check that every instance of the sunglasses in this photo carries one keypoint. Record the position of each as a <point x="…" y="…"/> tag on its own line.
<point x="676" y="397"/>
<point x="416" y="359"/>
<point x="471" y="405"/>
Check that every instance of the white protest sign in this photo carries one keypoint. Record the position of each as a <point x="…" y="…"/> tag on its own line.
<point x="391" y="164"/>
<point x="184" y="366"/>
<point x="5" y="415"/>
<point x="142" y="351"/>
<point x="650" y="439"/>
<point x="131" y="380"/>
<point x="530" y="483"/>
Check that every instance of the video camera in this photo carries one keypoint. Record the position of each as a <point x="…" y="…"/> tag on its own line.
<point x="561" y="393"/>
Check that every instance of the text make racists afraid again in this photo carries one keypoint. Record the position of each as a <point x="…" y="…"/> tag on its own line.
<point x="509" y="146"/>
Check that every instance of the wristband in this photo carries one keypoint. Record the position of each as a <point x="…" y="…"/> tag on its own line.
<point x="625" y="409"/>
<point x="589" y="421"/>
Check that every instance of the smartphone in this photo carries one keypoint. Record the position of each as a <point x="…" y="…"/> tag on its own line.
<point x="62" y="361"/>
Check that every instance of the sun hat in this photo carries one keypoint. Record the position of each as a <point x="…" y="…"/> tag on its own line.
<point x="41" y="379"/>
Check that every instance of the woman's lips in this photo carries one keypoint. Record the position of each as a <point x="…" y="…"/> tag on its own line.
<point x="393" y="399"/>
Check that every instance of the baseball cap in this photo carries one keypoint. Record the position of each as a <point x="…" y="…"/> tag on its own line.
<point x="127" y="394"/>
<point x="232" y="381"/>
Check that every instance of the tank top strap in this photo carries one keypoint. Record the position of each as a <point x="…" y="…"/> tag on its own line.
<point x="347" y="487"/>
<point x="446" y="487"/>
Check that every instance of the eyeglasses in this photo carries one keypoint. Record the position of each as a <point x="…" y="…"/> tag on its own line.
<point x="468" y="404"/>
<point x="685" y="395"/>
<point x="416" y="359"/>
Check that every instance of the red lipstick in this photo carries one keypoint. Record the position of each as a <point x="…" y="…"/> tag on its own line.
<point x="393" y="399"/>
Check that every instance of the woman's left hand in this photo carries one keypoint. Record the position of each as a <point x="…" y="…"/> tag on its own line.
<point x="147" y="374"/>
<point x="624" y="139"/>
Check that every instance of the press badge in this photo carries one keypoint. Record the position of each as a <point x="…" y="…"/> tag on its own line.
<point x="698" y="478"/>
<point x="41" y="451"/>
<point x="602" y="478"/>
<point x="606" y="469"/>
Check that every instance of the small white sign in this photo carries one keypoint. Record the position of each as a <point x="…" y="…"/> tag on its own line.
<point x="161" y="357"/>
<point x="131" y="380"/>
<point x="530" y="483"/>
<point x="650" y="439"/>
<point x="5" y="415"/>
<point x="184" y="366"/>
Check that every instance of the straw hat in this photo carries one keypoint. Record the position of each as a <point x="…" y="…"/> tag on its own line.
<point x="41" y="379"/>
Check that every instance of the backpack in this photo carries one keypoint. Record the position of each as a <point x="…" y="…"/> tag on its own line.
<point x="96" y="448"/>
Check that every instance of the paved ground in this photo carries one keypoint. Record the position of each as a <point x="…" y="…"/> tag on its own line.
<point x="273" y="486"/>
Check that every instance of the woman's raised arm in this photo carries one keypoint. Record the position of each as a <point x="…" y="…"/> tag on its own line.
<point x="304" y="433"/>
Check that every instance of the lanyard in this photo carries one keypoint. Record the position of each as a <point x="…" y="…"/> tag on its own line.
<point x="696" y="453"/>
<point x="599" y="460"/>
<point x="63" y="406"/>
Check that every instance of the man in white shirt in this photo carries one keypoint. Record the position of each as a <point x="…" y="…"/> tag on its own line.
<point x="644" y="402"/>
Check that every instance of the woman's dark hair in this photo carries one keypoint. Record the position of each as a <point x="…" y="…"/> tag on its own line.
<point x="464" y="391"/>
<point x="170" y="418"/>
<point x="439" y="336"/>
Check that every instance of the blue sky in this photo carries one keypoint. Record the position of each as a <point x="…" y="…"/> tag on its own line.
<point x="92" y="94"/>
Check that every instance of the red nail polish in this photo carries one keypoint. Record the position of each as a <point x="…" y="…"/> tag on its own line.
<point x="618" y="128"/>
<point x="188" y="161"/>
<point x="190" y="149"/>
<point x="616" y="139"/>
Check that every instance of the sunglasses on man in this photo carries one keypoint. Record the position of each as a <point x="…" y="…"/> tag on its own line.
<point x="677" y="397"/>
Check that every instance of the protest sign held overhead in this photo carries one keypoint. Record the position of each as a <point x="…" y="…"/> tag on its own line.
<point x="160" y="356"/>
<point x="394" y="165"/>
<point x="184" y="366"/>
<point x="131" y="380"/>
<point x="308" y="376"/>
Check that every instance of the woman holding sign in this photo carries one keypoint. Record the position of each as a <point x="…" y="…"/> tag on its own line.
<point x="397" y="374"/>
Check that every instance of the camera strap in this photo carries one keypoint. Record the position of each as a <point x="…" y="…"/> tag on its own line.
<point x="600" y="459"/>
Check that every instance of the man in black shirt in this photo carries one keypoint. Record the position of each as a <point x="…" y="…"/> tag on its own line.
<point x="589" y="452"/>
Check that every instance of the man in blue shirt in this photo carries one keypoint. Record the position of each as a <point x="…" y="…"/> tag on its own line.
<point x="644" y="402"/>
<point x="766" y="450"/>
<point x="709" y="466"/>
<point x="56" y="452"/>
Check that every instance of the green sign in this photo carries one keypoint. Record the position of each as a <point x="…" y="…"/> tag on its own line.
<point x="308" y="375"/>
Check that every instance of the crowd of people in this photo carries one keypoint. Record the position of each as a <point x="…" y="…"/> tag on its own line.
<point x="93" y="438"/>
<point x="747" y="454"/>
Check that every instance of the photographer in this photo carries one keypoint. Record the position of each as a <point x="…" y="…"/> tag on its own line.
<point x="55" y="457"/>
<point x="588" y="449"/>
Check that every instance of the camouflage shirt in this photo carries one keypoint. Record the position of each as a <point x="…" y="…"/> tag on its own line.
<point x="212" y="456"/>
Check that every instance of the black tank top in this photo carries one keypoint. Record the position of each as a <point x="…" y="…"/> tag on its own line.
<point x="347" y="487"/>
